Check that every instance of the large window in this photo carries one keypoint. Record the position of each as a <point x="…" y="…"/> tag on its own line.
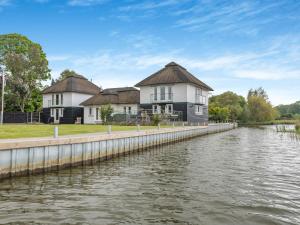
<point x="162" y="93"/>
<point x="61" y="99"/>
<point x="90" y="111"/>
<point x="169" y="93"/>
<point x="169" y="108"/>
<point x="155" y="93"/>
<point x="57" y="99"/>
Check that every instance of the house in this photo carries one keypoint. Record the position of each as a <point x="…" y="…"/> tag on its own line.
<point x="61" y="101"/>
<point x="123" y="101"/>
<point x="173" y="89"/>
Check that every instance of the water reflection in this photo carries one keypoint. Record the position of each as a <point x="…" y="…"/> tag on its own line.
<point x="244" y="176"/>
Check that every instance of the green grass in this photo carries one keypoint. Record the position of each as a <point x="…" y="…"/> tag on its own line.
<point x="8" y="131"/>
<point x="297" y="127"/>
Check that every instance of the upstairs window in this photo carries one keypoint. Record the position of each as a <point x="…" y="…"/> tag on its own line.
<point x="61" y="99"/>
<point x="57" y="99"/>
<point x="155" y="93"/>
<point x="90" y="111"/>
<point x="169" y="93"/>
<point x="162" y="93"/>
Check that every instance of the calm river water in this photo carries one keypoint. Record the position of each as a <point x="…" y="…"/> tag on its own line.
<point x="243" y="176"/>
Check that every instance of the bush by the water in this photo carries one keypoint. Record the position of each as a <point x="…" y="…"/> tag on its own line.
<point x="297" y="127"/>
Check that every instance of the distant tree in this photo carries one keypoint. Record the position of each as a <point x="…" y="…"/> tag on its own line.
<point x="67" y="73"/>
<point x="233" y="102"/>
<point x="260" y="109"/>
<point x="289" y="111"/>
<point x="106" y="112"/>
<point x="27" y="66"/>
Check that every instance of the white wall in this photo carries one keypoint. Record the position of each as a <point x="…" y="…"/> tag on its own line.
<point x="118" y="108"/>
<point x="181" y="93"/>
<point x="70" y="99"/>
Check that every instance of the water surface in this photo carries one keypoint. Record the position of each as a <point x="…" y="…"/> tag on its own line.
<point x="243" y="176"/>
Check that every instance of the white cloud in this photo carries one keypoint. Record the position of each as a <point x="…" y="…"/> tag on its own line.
<point x="5" y="2"/>
<point x="275" y="74"/>
<point x="149" y="5"/>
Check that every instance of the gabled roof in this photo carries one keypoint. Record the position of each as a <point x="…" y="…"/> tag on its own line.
<point x="170" y="74"/>
<point x="127" y="95"/>
<point x="74" y="83"/>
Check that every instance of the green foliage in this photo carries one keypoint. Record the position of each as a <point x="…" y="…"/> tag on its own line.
<point x="156" y="119"/>
<point x="106" y="112"/>
<point x="297" y="127"/>
<point x="234" y="103"/>
<point x="260" y="109"/>
<point x="67" y="73"/>
<point x="217" y="113"/>
<point x="26" y="64"/>
<point x="289" y="111"/>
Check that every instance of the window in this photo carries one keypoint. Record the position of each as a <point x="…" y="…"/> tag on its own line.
<point x="169" y="108"/>
<point x="198" y="91"/>
<point x="57" y="99"/>
<point x="49" y="103"/>
<point x="155" y="93"/>
<point x="155" y="109"/>
<point x="61" y="99"/>
<point x="162" y="93"/>
<point x="53" y="99"/>
<point x="198" y="109"/>
<point x="169" y="93"/>
<point x="97" y="113"/>
<point x="61" y="112"/>
<point x="129" y="110"/>
<point x="52" y="112"/>
<point x="124" y="109"/>
<point x="90" y="111"/>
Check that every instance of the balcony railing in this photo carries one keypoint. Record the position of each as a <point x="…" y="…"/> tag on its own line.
<point x="200" y="99"/>
<point x="159" y="98"/>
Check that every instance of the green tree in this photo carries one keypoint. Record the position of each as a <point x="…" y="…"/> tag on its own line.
<point x="106" y="112"/>
<point x="217" y="113"/>
<point x="67" y="73"/>
<point x="27" y="66"/>
<point x="233" y="102"/>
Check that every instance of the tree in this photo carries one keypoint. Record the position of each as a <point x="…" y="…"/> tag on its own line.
<point x="27" y="66"/>
<point x="106" y="112"/>
<point x="217" y="113"/>
<point x="260" y="108"/>
<point x="67" y="73"/>
<point x="233" y="102"/>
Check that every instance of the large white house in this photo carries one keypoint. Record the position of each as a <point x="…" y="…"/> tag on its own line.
<point x="174" y="90"/>
<point x="61" y="101"/>
<point x="124" y="101"/>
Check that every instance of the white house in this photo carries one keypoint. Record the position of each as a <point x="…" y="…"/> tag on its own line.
<point x="123" y="101"/>
<point x="172" y="90"/>
<point x="61" y="101"/>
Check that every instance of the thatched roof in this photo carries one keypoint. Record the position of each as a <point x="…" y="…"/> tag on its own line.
<point x="170" y="74"/>
<point x="74" y="83"/>
<point x="127" y="95"/>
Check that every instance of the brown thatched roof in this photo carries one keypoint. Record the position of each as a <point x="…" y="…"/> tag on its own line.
<point x="172" y="73"/>
<point x="127" y="95"/>
<point x="75" y="83"/>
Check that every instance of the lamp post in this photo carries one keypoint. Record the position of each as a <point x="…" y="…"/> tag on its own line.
<point x="2" y="96"/>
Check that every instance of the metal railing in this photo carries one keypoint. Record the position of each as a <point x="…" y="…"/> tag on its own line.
<point x="156" y="98"/>
<point x="200" y="99"/>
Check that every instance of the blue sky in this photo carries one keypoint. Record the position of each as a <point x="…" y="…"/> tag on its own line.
<point x="231" y="45"/>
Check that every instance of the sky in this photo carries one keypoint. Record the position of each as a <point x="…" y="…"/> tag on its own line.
<point x="230" y="45"/>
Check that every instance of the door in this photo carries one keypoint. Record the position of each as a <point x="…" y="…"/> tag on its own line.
<point x="56" y="115"/>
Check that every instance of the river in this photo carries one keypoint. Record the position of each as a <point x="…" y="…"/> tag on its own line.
<point x="244" y="176"/>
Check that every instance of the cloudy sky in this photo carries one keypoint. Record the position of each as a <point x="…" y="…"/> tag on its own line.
<point x="231" y="45"/>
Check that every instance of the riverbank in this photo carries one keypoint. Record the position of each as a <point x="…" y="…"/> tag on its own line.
<point x="27" y="156"/>
<point x="273" y="122"/>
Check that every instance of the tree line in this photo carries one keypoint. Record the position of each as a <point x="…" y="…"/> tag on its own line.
<point x="232" y="107"/>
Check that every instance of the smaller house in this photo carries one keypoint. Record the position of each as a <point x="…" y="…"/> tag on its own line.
<point x="61" y="101"/>
<point x="124" y="101"/>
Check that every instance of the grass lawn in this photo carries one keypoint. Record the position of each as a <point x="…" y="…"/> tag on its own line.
<point x="43" y="130"/>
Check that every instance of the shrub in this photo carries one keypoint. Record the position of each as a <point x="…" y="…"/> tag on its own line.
<point x="156" y="119"/>
<point x="297" y="126"/>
